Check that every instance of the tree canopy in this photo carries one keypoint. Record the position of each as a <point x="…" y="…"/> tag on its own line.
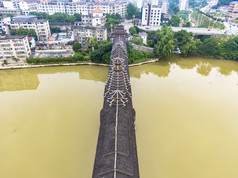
<point x="173" y="7"/>
<point x="138" y="41"/>
<point x="112" y="20"/>
<point x="57" y="17"/>
<point x="23" y="31"/>
<point x="93" y="43"/>
<point x="102" y="54"/>
<point x="131" y="10"/>
<point x="210" y="47"/>
<point x="175" y="21"/>
<point x="165" y="42"/>
<point x="76" y="47"/>
<point x="132" y="30"/>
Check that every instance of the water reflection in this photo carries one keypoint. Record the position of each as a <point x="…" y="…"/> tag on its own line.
<point x="28" y="79"/>
<point x="203" y="66"/>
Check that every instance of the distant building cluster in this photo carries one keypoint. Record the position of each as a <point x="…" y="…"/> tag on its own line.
<point x="93" y="13"/>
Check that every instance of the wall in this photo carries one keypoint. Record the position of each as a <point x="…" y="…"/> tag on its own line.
<point x="143" y="48"/>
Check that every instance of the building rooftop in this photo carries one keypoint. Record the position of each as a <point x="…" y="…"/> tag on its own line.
<point x="21" y="17"/>
<point x="142" y="34"/>
<point x="97" y="11"/>
<point x="29" y="20"/>
<point x="13" y="37"/>
<point x="89" y="27"/>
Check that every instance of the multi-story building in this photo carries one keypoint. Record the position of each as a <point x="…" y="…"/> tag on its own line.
<point x="20" y="4"/>
<point x="81" y="7"/>
<point x="5" y="11"/>
<point x="183" y="5"/>
<point x="83" y="33"/>
<point x="95" y="18"/>
<point x="151" y="15"/>
<point x="41" y="26"/>
<point x="14" y="48"/>
<point x="233" y="11"/>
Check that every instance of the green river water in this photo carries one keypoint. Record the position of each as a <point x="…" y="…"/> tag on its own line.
<point x="186" y="119"/>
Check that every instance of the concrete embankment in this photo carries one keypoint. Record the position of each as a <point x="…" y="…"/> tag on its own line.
<point x="70" y="64"/>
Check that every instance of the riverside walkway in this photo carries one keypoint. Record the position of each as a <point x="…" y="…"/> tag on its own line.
<point x="116" y="154"/>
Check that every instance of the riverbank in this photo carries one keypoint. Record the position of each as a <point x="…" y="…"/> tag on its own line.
<point x="71" y="64"/>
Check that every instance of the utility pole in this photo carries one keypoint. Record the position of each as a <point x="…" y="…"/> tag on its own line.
<point x="133" y="20"/>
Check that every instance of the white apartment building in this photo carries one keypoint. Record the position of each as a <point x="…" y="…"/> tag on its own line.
<point x="40" y="26"/>
<point x="14" y="49"/>
<point x="95" y="18"/>
<point x="151" y="15"/>
<point x="98" y="18"/>
<point x="20" y="4"/>
<point x="81" y="7"/>
<point x="183" y="5"/>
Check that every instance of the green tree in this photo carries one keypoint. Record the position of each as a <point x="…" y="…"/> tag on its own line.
<point x="105" y="47"/>
<point x="132" y="30"/>
<point x="190" y="48"/>
<point x="175" y="21"/>
<point x="79" y="57"/>
<point x="114" y="16"/>
<point x="106" y="58"/>
<point x="165" y="42"/>
<point x="131" y="10"/>
<point x="187" y="24"/>
<point x="138" y="41"/>
<point x="93" y="43"/>
<point x="77" y="17"/>
<point x="173" y="7"/>
<point x="22" y="31"/>
<point x="111" y="23"/>
<point x="151" y="38"/>
<point x="210" y="47"/>
<point x="229" y="49"/>
<point x="182" y="37"/>
<point x="95" y="56"/>
<point x="76" y="47"/>
<point x="55" y="29"/>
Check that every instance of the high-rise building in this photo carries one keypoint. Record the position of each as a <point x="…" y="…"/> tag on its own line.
<point x="183" y="5"/>
<point x="151" y="15"/>
<point x="233" y="11"/>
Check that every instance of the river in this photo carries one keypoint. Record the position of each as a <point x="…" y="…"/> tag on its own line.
<point x="186" y="119"/>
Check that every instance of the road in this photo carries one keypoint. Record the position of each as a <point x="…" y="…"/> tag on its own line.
<point x="198" y="31"/>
